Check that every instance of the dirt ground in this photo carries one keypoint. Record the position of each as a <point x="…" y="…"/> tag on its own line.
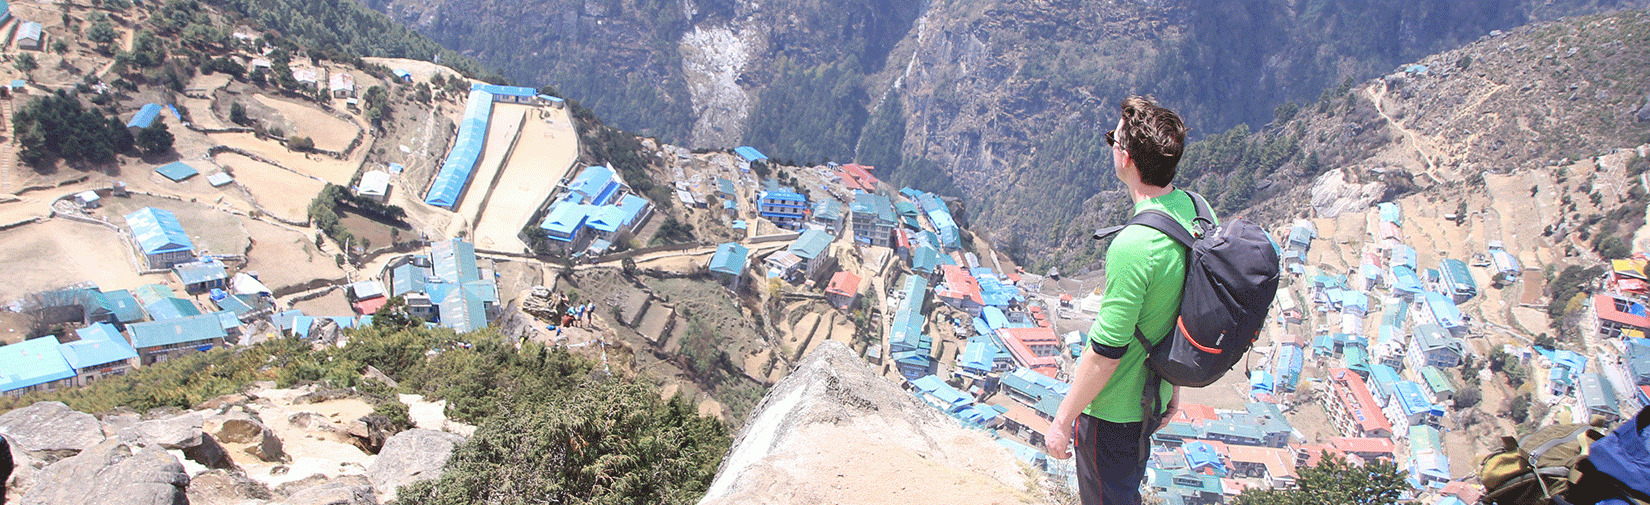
<point x="331" y="305"/>
<point x="545" y="154"/>
<point x="502" y="129"/>
<point x="421" y="71"/>
<point x="325" y="455"/>
<point x="326" y="168"/>
<point x="284" y="257"/>
<point x="79" y="252"/>
<point x="212" y="230"/>
<point x="281" y="192"/>
<point x="328" y="132"/>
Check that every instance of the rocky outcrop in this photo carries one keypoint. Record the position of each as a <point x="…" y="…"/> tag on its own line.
<point x="223" y="487"/>
<point x="348" y="490"/>
<point x="833" y="431"/>
<point x="411" y="456"/>
<point x="112" y="473"/>
<point x="51" y="429"/>
<point x="1332" y="194"/>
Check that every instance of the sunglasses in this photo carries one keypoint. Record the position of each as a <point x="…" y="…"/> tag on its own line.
<point x="1111" y="138"/>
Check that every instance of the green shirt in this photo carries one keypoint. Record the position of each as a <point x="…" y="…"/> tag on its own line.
<point x="1144" y="273"/>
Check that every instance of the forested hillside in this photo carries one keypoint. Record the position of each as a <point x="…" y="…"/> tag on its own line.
<point x="999" y="101"/>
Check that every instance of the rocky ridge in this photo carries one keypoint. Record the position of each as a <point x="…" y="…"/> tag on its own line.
<point x="290" y="446"/>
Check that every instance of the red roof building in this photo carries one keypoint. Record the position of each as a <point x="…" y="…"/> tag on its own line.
<point x="960" y="289"/>
<point x="1618" y="314"/>
<point x="1352" y="408"/>
<point x="1368" y="448"/>
<point x="842" y="290"/>
<point x="856" y="176"/>
<point x="370" y="305"/>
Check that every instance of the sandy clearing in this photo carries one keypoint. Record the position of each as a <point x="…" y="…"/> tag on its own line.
<point x="502" y="129"/>
<point x="420" y="70"/>
<point x="322" y="452"/>
<point x="80" y="252"/>
<point x="543" y="156"/>
<point x="323" y="167"/>
<point x="200" y="111"/>
<point x="328" y="132"/>
<point x="280" y="191"/>
<point x="284" y="257"/>
<point x="211" y="230"/>
<point x="332" y="305"/>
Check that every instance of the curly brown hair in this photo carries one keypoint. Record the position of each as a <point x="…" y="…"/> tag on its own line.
<point x="1154" y="138"/>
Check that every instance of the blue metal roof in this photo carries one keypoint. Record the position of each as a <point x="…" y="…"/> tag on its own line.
<point x="496" y="89"/>
<point x="472" y="138"/>
<point x="730" y="258"/>
<point x="980" y="354"/>
<point x="594" y="185"/>
<point x="565" y="219"/>
<point x="158" y="231"/>
<point x="462" y="311"/>
<point x="170" y="308"/>
<point x="177" y="171"/>
<point x="1410" y="399"/>
<point x="175" y="331"/>
<point x="454" y="261"/>
<point x="1391" y="213"/>
<point x="1444" y="310"/>
<point x="408" y="278"/>
<point x="725" y="187"/>
<point x="606" y="219"/>
<point x="99" y="344"/>
<point x="145" y="116"/>
<point x="32" y="362"/>
<point x="872" y="203"/>
<point x="811" y="244"/>
<point x="124" y="305"/>
<point x="197" y="272"/>
<point x="749" y="153"/>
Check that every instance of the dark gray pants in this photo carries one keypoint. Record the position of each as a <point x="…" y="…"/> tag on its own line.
<point x="1109" y="466"/>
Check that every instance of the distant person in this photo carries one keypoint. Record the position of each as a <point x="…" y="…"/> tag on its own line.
<point x="1144" y="272"/>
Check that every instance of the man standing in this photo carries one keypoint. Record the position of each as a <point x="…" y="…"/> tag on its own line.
<point x="1144" y="272"/>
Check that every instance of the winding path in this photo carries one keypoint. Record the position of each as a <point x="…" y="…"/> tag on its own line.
<point x="1376" y="97"/>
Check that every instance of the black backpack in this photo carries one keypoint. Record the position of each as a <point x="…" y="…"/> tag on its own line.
<point x="1231" y="279"/>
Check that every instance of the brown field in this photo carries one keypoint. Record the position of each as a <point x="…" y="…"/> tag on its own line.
<point x="284" y="257"/>
<point x="329" y="132"/>
<point x="333" y="304"/>
<point x="376" y="234"/>
<point x="211" y="230"/>
<point x="77" y="252"/>
<point x="325" y="168"/>
<point x="282" y="192"/>
<point x="543" y="156"/>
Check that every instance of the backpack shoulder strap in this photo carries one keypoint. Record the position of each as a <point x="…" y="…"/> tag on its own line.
<point x="1163" y="222"/>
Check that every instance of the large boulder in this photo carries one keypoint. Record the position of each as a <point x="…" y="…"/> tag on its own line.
<point x="835" y="428"/>
<point x="112" y="473"/>
<point x="51" y="430"/>
<point x="345" y="490"/>
<point x="237" y="427"/>
<point x="370" y="432"/>
<point x="411" y="456"/>
<point x="223" y="487"/>
<point x="175" y="432"/>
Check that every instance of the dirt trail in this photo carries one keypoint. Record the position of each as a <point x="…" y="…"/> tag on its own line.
<point x="1376" y="97"/>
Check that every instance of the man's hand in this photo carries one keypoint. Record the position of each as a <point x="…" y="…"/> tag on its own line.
<point x="1057" y="439"/>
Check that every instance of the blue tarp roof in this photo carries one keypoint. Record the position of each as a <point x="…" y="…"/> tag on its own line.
<point x="1410" y="399"/>
<point x="449" y="183"/>
<point x="749" y="153"/>
<point x="994" y="318"/>
<point x="32" y="362"/>
<point x="1405" y="256"/>
<point x="158" y="231"/>
<point x="565" y="219"/>
<point x="99" y="344"/>
<point x="463" y="311"/>
<point x="144" y="116"/>
<point x="408" y="278"/>
<point x="1199" y="454"/>
<point x="980" y="354"/>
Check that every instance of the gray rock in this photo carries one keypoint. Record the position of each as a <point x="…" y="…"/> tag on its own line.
<point x="222" y="402"/>
<point x="169" y="433"/>
<point x="239" y="427"/>
<point x="115" y="421"/>
<point x="112" y="473"/>
<point x="222" y="487"/>
<point x="370" y="432"/>
<point x="268" y="448"/>
<point x="346" y="490"/>
<point x="209" y="453"/>
<point x="51" y="427"/>
<point x="411" y="456"/>
<point x="1644" y="112"/>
